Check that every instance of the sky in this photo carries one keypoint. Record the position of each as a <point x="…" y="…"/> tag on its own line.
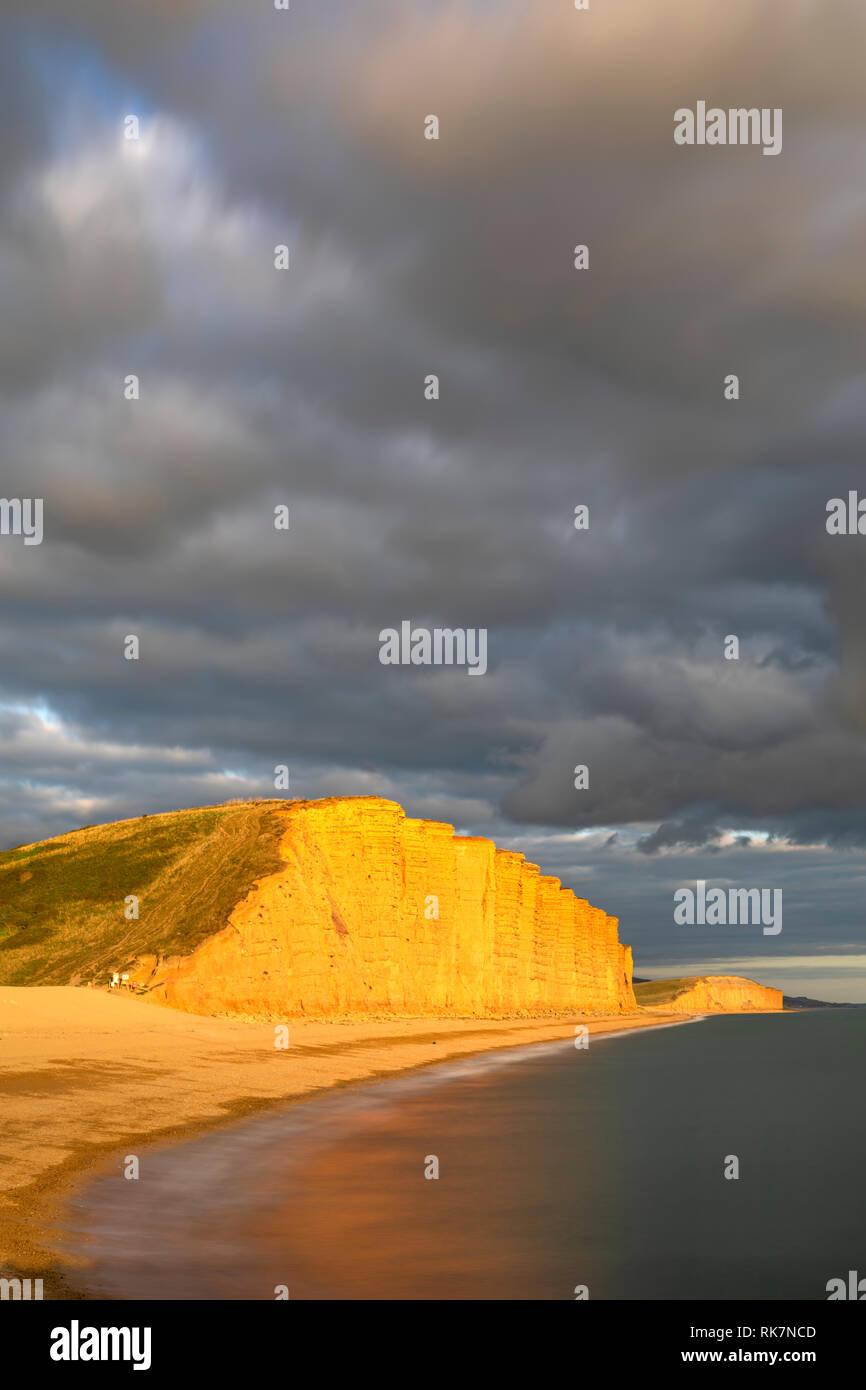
<point x="602" y="387"/>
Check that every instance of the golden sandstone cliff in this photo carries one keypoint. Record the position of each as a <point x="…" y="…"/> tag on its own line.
<point x="376" y="914"/>
<point x="707" y="994"/>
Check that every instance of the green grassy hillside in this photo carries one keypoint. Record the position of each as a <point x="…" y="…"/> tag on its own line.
<point x="62" y="901"/>
<point x="651" y="993"/>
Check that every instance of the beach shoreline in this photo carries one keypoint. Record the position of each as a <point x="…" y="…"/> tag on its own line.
<point x="88" y="1078"/>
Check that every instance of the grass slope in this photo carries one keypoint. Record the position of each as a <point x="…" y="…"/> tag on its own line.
<point x="62" y="901"/>
<point x="651" y="993"/>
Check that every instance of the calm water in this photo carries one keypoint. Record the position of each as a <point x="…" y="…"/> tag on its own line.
<point x="557" y="1167"/>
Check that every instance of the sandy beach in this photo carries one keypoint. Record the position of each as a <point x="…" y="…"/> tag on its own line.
<point x="87" y="1077"/>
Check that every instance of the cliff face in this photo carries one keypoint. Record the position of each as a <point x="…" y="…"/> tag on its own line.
<point x="707" y="994"/>
<point x="373" y="913"/>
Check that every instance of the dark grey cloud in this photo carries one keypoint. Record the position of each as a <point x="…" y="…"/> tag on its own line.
<point x="411" y="257"/>
<point x="696" y="831"/>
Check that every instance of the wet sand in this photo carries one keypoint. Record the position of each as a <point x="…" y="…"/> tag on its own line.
<point x="87" y="1077"/>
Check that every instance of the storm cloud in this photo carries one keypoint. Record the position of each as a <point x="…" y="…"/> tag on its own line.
<point x="558" y="387"/>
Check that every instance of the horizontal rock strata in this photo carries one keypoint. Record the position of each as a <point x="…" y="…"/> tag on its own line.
<point x="376" y="914"/>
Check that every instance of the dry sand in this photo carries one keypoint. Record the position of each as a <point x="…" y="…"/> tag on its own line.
<point x="87" y="1076"/>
